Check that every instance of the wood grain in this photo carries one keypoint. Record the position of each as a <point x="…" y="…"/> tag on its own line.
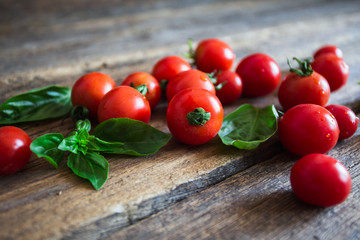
<point x="209" y="191"/>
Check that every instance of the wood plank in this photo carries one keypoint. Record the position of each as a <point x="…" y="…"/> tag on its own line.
<point x="118" y="39"/>
<point x="257" y="203"/>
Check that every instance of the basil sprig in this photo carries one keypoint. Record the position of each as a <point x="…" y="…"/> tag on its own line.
<point x="248" y="126"/>
<point x="38" y="104"/>
<point x="85" y="159"/>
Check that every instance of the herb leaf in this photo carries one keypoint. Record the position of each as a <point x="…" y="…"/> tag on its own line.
<point x="138" y="138"/>
<point x="248" y="126"/>
<point x="92" y="166"/>
<point x="38" y="104"/>
<point x="96" y="144"/>
<point x="78" y="139"/>
<point x="46" y="146"/>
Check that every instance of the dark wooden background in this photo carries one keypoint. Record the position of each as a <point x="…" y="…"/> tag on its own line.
<point x="181" y="192"/>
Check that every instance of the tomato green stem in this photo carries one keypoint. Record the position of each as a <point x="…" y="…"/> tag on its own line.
<point x="198" y="117"/>
<point x="143" y="89"/>
<point x="191" y="52"/>
<point x="304" y="65"/>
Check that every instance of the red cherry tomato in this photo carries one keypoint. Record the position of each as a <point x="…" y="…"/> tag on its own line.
<point x="213" y="55"/>
<point x="153" y="91"/>
<point x="333" y="69"/>
<point x="124" y="102"/>
<point x="296" y="90"/>
<point x="329" y="49"/>
<point x="90" y="89"/>
<point x="167" y="67"/>
<point x="189" y="79"/>
<point x="308" y="128"/>
<point x="346" y="119"/>
<point x="231" y="88"/>
<point x="320" y="180"/>
<point x="14" y="148"/>
<point x="260" y="75"/>
<point x="194" y="116"/>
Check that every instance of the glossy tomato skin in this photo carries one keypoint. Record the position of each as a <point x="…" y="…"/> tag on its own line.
<point x="332" y="49"/>
<point x="142" y="78"/>
<point x="296" y="89"/>
<point x="320" y="180"/>
<point x="213" y="55"/>
<point x="308" y="128"/>
<point x="186" y="101"/>
<point x="14" y="148"/>
<point x="189" y="79"/>
<point x="346" y="119"/>
<point x="333" y="69"/>
<point x="167" y="67"/>
<point x="260" y="75"/>
<point x="232" y="88"/>
<point x="89" y="89"/>
<point x="124" y="102"/>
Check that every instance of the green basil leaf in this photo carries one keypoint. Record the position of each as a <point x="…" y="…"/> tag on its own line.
<point x="249" y="126"/>
<point x="38" y="104"/>
<point x="139" y="138"/>
<point x="46" y="146"/>
<point x="70" y="144"/>
<point x="96" y="144"/>
<point x="92" y="166"/>
<point x="83" y="125"/>
<point x="78" y="139"/>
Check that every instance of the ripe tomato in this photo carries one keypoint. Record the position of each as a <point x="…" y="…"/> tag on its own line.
<point x="346" y="119"/>
<point x="152" y="87"/>
<point x="14" y="148"/>
<point x="231" y="88"/>
<point x="194" y="116"/>
<point x="167" y="67"/>
<point x="260" y="75"/>
<point x="213" y="55"/>
<point x="320" y="180"/>
<point x="333" y="69"/>
<point x="90" y="89"/>
<point x="308" y="128"/>
<point x="189" y="79"/>
<point x="329" y="49"/>
<point x="124" y="102"/>
<point x="303" y="86"/>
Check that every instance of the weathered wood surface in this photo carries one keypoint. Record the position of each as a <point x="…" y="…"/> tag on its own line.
<point x="209" y="191"/>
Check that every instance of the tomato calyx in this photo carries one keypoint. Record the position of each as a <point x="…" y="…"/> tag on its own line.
<point x="143" y="89"/>
<point x="214" y="80"/>
<point x="191" y="53"/>
<point x="305" y="68"/>
<point x="198" y="117"/>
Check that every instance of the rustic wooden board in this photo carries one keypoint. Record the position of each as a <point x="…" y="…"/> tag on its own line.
<point x="209" y="191"/>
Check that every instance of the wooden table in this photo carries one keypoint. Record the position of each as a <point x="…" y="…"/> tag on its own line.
<point x="181" y="192"/>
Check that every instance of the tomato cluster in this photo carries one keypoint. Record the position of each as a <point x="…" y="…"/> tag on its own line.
<point x="211" y="72"/>
<point x="310" y="128"/>
<point x="195" y="96"/>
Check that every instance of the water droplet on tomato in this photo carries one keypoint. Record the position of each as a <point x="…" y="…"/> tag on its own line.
<point x="328" y="135"/>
